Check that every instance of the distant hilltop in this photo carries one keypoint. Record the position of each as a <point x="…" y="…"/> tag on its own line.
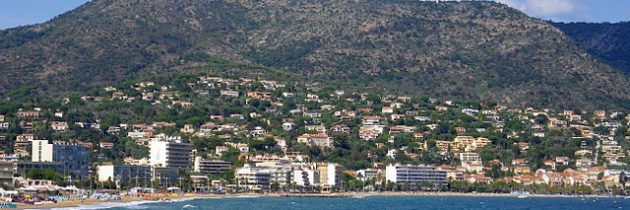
<point x="461" y="50"/>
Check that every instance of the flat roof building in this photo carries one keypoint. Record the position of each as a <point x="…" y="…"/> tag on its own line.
<point x="329" y="174"/>
<point x="7" y="170"/>
<point x="414" y="174"/>
<point x="215" y="167"/>
<point x="125" y="175"/>
<point x="170" y="154"/>
<point x="253" y="178"/>
<point x="73" y="157"/>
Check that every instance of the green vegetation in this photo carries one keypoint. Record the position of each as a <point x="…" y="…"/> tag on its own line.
<point x="249" y="122"/>
<point x="45" y="174"/>
<point x="609" y="42"/>
<point x="465" y="50"/>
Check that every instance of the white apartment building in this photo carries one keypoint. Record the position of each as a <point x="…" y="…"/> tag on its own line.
<point x="305" y="177"/>
<point x="253" y="178"/>
<point x="280" y="173"/>
<point x="414" y="174"/>
<point x="42" y="151"/>
<point x="170" y="154"/>
<point x="469" y="157"/>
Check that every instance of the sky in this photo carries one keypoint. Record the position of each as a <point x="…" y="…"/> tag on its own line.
<point x="574" y="10"/>
<point x="15" y="13"/>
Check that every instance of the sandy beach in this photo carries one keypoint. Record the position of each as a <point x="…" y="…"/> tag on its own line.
<point x="130" y="199"/>
<point x="76" y="203"/>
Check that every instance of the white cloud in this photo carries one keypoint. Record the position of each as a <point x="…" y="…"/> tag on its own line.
<point x="543" y="8"/>
<point x="550" y="7"/>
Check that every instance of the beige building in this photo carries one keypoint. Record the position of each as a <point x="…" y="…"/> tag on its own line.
<point x="329" y="174"/>
<point x="469" y="143"/>
<point x="443" y="146"/>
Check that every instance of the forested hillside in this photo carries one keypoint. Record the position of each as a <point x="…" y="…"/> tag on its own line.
<point x="607" y="41"/>
<point x="460" y="50"/>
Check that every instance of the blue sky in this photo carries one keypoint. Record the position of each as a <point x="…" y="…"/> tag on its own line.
<point x="575" y="10"/>
<point x="24" y="12"/>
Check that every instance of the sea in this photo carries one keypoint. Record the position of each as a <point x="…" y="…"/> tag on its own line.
<point x="375" y="202"/>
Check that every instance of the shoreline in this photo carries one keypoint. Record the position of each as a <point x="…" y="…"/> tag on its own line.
<point x="439" y="194"/>
<point x="129" y="200"/>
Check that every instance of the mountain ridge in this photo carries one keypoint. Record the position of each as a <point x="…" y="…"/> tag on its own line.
<point x="606" y="41"/>
<point x="469" y="50"/>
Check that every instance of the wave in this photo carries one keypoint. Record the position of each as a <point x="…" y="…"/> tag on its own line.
<point x="106" y="205"/>
<point x="245" y="196"/>
<point x="140" y="204"/>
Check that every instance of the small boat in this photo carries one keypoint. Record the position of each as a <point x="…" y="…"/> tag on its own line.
<point x="523" y="196"/>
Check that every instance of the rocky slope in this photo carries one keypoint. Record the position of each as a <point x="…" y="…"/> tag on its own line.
<point x="469" y="50"/>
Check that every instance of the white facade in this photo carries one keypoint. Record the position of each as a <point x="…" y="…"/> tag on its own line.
<point x="469" y="157"/>
<point x="170" y="154"/>
<point x="414" y="174"/>
<point x="158" y="154"/>
<point x="367" y="174"/>
<point x="105" y="172"/>
<point x="4" y="125"/>
<point x="253" y="178"/>
<point x="42" y="151"/>
<point x="287" y="126"/>
<point x="305" y="177"/>
<point x="319" y="140"/>
<point x="136" y="134"/>
<point x="124" y="174"/>
<point x="280" y="171"/>
<point x="390" y="174"/>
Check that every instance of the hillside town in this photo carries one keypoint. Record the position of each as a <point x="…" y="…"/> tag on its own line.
<point x="209" y="134"/>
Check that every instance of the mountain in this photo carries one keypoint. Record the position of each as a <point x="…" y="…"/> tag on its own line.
<point x="608" y="42"/>
<point x="461" y="50"/>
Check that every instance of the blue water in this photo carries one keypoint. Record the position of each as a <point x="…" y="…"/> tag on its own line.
<point x="394" y="203"/>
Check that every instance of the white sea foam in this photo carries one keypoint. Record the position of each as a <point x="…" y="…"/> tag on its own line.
<point x="245" y="196"/>
<point x="140" y="204"/>
<point x="188" y="206"/>
<point x="128" y="205"/>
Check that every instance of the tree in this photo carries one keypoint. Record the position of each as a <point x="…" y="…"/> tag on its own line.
<point x="45" y="174"/>
<point x="109" y="184"/>
<point x="602" y="130"/>
<point x="541" y="119"/>
<point x="232" y="156"/>
<point x="136" y="151"/>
